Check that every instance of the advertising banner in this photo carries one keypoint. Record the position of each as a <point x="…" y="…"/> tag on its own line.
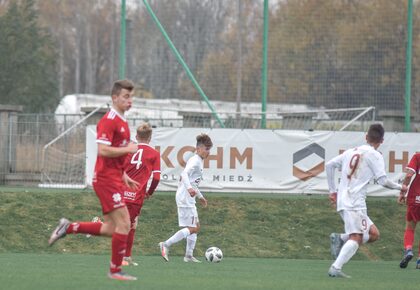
<point x="274" y="161"/>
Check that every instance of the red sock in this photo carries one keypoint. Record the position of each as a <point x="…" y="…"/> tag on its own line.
<point x="130" y="241"/>
<point x="84" y="228"/>
<point x="408" y="238"/>
<point x="119" y="244"/>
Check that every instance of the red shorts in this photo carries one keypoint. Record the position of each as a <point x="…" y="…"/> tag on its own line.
<point x="133" y="196"/>
<point x="134" y="201"/>
<point x="134" y="210"/>
<point x="413" y="213"/>
<point x="110" y="195"/>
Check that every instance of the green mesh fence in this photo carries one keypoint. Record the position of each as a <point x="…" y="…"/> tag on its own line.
<point x="325" y="59"/>
<point x="321" y="53"/>
<point x="332" y="54"/>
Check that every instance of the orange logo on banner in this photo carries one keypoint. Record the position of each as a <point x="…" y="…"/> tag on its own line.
<point x="304" y="153"/>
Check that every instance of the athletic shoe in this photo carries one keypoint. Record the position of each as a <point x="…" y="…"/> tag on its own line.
<point x="336" y="243"/>
<point x="59" y="232"/>
<point x="128" y="261"/>
<point x="418" y="263"/>
<point x="164" y="250"/>
<point x="121" y="276"/>
<point x="407" y="257"/>
<point x="191" y="259"/>
<point x="333" y="272"/>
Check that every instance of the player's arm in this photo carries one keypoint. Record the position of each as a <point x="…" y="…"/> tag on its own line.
<point x="200" y="197"/>
<point x="409" y="172"/>
<point x="186" y="181"/>
<point x="109" y="151"/>
<point x="198" y="193"/>
<point x="377" y="165"/>
<point x="104" y="136"/>
<point x="156" y="174"/>
<point x="154" y="184"/>
<point x="203" y="200"/>
<point x="330" y="167"/>
<point x="387" y="183"/>
<point x="129" y="181"/>
<point x="185" y="178"/>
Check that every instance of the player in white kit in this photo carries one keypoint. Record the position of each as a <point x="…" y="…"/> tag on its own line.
<point x="358" y="166"/>
<point x="185" y="201"/>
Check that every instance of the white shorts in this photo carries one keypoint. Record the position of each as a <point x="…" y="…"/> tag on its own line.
<point x="187" y="217"/>
<point x="355" y="221"/>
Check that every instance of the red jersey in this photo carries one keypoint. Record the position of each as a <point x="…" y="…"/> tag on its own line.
<point x="112" y="130"/>
<point x="413" y="196"/>
<point x="140" y="166"/>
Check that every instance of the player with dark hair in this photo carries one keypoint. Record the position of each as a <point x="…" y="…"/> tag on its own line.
<point x="358" y="166"/>
<point x="141" y="165"/>
<point x="413" y="209"/>
<point x="185" y="200"/>
<point x="109" y="181"/>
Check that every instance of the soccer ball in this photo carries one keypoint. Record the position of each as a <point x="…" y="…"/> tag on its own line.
<point x="214" y="255"/>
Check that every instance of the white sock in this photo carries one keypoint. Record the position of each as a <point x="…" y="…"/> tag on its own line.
<point x="344" y="237"/>
<point x="191" y="239"/>
<point x="178" y="236"/>
<point x="347" y="251"/>
<point x="365" y="237"/>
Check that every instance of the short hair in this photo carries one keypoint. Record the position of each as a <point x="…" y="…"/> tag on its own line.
<point x="204" y="139"/>
<point x="121" y="84"/>
<point x="375" y="133"/>
<point x="144" y="131"/>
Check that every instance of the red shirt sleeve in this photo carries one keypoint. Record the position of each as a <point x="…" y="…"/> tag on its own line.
<point x="156" y="162"/>
<point x="105" y="131"/>
<point x="128" y="161"/>
<point x="414" y="162"/>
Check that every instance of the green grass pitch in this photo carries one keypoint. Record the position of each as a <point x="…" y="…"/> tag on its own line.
<point x="268" y="241"/>
<point x="73" y="271"/>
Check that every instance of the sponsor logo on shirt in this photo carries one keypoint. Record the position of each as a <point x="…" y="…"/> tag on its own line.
<point x="129" y="195"/>
<point x="197" y="181"/>
<point x="103" y="137"/>
<point x="124" y="143"/>
<point x="116" y="197"/>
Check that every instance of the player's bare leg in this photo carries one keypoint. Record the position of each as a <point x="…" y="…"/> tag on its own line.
<point x="373" y="235"/>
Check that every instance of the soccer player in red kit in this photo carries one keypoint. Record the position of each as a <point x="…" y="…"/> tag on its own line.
<point x="140" y="166"/>
<point x="413" y="209"/>
<point x="110" y="181"/>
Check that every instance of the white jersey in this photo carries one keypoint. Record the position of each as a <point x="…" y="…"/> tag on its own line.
<point x="358" y="166"/>
<point x="190" y="178"/>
